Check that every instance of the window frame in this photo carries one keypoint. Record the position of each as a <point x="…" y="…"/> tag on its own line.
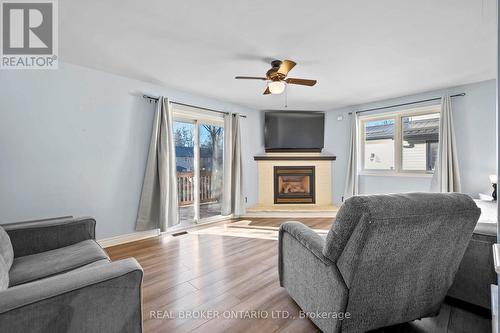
<point x="398" y="141"/>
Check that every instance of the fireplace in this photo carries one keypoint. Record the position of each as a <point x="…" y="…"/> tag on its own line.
<point x="294" y="185"/>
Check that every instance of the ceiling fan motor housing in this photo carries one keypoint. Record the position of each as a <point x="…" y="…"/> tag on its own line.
<point x="273" y="74"/>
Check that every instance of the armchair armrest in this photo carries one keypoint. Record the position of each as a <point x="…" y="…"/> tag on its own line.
<point x="103" y="298"/>
<point x="305" y="236"/>
<point x="311" y="279"/>
<point x="39" y="236"/>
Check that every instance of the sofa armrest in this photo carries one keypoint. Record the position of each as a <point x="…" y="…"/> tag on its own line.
<point x="85" y="300"/>
<point x="485" y="231"/>
<point x="39" y="236"/>
<point x="476" y="272"/>
<point x="305" y="236"/>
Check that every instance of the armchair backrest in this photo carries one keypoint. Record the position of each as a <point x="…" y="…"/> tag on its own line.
<point x="398" y="253"/>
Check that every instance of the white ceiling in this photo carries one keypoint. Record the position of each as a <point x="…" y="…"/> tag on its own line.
<point x="359" y="51"/>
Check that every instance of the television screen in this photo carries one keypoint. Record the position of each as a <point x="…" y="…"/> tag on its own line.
<point x="294" y="131"/>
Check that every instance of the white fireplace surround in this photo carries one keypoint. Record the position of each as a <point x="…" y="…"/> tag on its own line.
<point x="323" y="165"/>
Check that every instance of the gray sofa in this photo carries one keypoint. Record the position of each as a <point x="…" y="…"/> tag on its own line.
<point x="54" y="277"/>
<point x="387" y="259"/>
<point x="476" y="273"/>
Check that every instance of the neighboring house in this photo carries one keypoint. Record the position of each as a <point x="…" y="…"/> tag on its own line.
<point x="185" y="157"/>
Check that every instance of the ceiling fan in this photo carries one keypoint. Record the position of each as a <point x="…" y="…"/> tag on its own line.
<point x="277" y="77"/>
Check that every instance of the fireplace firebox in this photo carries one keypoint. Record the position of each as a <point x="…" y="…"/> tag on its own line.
<point x="294" y="185"/>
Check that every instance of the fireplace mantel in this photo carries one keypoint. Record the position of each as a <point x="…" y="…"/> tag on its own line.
<point x="295" y="157"/>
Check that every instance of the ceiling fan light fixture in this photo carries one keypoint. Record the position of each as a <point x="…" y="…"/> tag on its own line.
<point x="277" y="77"/>
<point x="276" y="87"/>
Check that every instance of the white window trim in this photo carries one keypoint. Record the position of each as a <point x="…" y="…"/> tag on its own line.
<point x="398" y="140"/>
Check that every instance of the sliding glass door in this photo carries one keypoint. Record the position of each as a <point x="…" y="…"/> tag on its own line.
<point x="184" y="134"/>
<point x="211" y="139"/>
<point x="199" y="152"/>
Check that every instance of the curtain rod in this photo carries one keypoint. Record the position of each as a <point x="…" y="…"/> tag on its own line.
<point x="409" y="103"/>
<point x="155" y="99"/>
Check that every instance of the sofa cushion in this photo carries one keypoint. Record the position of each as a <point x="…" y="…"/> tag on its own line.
<point x="45" y="264"/>
<point x="4" y="274"/>
<point x="6" y="250"/>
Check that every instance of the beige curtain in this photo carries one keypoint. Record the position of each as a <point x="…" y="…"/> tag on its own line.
<point x="351" y="184"/>
<point x="158" y="204"/>
<point x="233" y="196"/>
<point x="446" y="172"/>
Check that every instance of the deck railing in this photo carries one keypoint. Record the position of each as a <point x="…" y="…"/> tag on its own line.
<point x="185" y="188"/>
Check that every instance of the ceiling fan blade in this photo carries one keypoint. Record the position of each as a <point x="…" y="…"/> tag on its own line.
<point x="267" y="91"/>
<point x="250" y="78"/>
<point x="286" y="66"/>
<point x="302" y="82"/>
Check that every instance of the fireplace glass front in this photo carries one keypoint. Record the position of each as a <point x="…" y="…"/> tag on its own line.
<point x="294" y="185"/>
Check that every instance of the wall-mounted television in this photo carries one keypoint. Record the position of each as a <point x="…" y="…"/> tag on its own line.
<point x="294" y="131"/>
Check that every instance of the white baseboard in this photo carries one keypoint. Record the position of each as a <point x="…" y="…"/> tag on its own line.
<point x="135" y="236"/>
<point x="194" y="226"/>
<point x="121" y="239"/>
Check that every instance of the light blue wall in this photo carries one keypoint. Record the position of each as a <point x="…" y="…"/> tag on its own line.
<point x="74" y="141"/>
<point x="475" y="128"/>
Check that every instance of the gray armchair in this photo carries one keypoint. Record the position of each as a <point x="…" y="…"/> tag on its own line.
<point x="387" y="259"/>
<point x="61" y="280"/>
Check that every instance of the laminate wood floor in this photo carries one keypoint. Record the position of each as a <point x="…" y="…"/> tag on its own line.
<point x="232" y="276"/>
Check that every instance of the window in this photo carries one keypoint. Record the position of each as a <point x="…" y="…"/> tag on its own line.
<point x="399" y="142"/>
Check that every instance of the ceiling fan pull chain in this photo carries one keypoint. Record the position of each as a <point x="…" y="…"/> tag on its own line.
<point x="286" y="96"/>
